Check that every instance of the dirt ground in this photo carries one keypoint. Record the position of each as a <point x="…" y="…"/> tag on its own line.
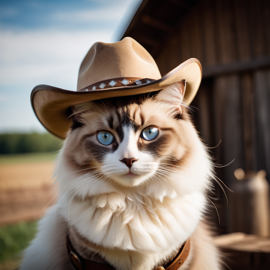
<point x="26" y="191"/>
<point x="25" y="175"/>
<point x="10" y="265"/>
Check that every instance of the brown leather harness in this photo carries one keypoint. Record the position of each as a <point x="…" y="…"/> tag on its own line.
<point x="80" y="263"/>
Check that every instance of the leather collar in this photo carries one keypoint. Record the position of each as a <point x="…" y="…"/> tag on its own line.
<point x="80" y="263"/>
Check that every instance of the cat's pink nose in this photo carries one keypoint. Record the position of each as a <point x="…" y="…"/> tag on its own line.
<point x="128" y="161"/>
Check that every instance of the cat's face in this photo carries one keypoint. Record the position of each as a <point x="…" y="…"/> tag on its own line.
<point x="130" y="140"/>
<point x="133" y="172"/>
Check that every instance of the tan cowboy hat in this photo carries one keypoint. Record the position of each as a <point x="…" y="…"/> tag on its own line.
<point x="110" y="70"/>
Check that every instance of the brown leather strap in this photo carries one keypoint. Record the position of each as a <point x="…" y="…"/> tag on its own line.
<point x="80" y="263"/>
<point x="182" y="256"/>
<point x="116" y="82"/>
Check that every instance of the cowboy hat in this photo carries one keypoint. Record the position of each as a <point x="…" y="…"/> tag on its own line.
<point x="110" y="70"/>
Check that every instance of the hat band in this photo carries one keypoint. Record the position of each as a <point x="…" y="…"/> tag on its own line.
<point x="116" y="82"/>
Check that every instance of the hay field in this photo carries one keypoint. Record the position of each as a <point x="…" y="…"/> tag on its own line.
<point x="26" y="186"/>
<point x="25" y="175"/>
<point x="27" y="158"/>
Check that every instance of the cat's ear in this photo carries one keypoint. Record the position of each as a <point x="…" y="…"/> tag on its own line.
<point x="173" y="94"/>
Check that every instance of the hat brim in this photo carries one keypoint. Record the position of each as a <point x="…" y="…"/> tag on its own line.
<point x="51" y="104"/>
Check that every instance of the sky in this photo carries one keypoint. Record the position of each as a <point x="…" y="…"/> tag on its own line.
<point x="44" y="42"/>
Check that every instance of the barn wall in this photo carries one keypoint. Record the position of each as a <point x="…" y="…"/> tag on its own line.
<point x="233" y="107"/>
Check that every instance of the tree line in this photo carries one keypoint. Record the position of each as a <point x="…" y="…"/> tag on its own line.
<point x="17" y="143"/>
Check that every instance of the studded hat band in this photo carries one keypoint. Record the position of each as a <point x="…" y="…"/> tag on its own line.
<point x="117" y="82"/>
<point x="80" y="263"/>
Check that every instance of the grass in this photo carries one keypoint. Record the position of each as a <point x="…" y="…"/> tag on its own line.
<point x="27" y="158"/>
<point x="14" y="239"/>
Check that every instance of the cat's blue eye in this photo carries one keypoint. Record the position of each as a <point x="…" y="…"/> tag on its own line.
<point x="105" y="137"/>
<point x="149" y="133"/>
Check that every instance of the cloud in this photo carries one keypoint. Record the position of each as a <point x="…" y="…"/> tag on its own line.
<point x="34" y="57"/>
<point x="52" y="56"/>
<point x="104" y="11"/>
<point x="8" y="12"/>
<point x="48" y="49"/>
<point x="3" y="98"/>
<point x="71" y="15"/>
<point x="87" y="16"/>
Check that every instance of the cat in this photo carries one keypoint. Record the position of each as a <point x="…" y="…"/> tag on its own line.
<point x="133" y="177"/>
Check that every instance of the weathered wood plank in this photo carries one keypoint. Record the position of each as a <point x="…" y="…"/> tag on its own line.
<point x="204" y="113"/>
<point x="196" y="36"/>
<point x="178" y="36"/>
<point x="266" y="17"/>
<point x="262" y="99"/>
<point x="174" y="53"/>
<point x="219" y="96"/>
<point x="248" y="120"/>
<point x="226" y="31"/>
<point x="185" y="38"/>
<point x="228" y="123"/>
<point x="242" y="24"/>
<point x="209" y="32"/>
<point x="257" y="28"/>
<point x="162" y="63"/>
<point x="236" y="67"/>
<point x="156" y="23"/>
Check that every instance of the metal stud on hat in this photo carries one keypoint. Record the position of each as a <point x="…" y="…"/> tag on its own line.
<point x="138" y="82"/>
<point x="125" y="82"/>
<point x="102" y="85"/>
<point x="112" y="83"/>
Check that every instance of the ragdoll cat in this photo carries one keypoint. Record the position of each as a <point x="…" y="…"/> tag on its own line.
<point x="133" y="175"/>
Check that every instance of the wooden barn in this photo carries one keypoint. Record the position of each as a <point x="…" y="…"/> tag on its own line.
<point x="231" y="111"/>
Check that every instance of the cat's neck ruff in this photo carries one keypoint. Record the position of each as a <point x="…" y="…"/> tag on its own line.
<point x="145" y="220"/>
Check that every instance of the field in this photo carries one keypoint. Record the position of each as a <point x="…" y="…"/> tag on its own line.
<point x="25" y="174"/>
<point x="26" y="191"/>
<point x="27" y="158"/>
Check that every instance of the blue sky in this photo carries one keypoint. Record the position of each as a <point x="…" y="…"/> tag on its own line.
<point x="43" y="42"/>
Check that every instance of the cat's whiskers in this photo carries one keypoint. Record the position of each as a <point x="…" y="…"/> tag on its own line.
<point x="74" y="191"/>
<point x="165" y="171"/>
<point x="214" y="207"/>
<point x="219" y="182"/>
<point x="75" y="185"/>
<point x="73" y="172"/>
<point x="71" y="200"/>
<point x="58" y="194"/>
